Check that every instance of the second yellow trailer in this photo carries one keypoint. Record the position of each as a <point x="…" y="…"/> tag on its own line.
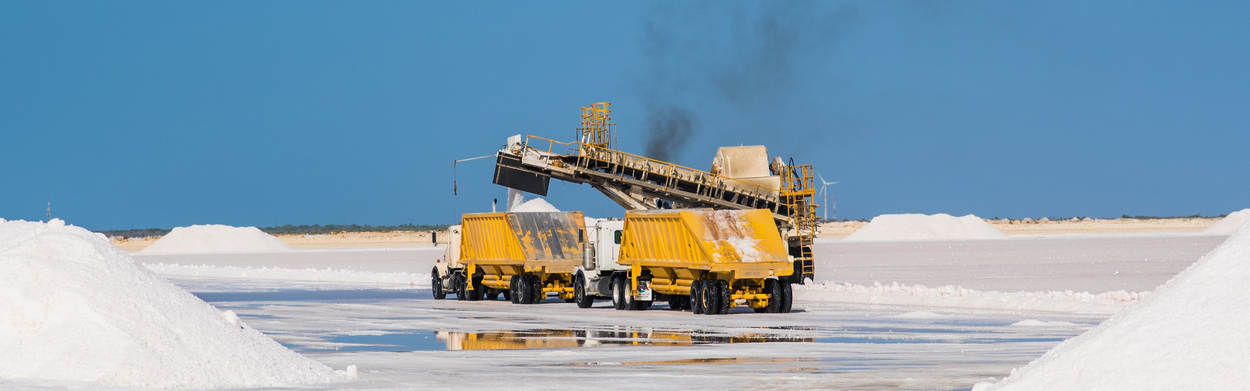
<point x="707" y="260"/>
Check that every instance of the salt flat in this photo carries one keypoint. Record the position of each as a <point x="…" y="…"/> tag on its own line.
<point x="1092" y="263"/>
<point x="401" y="338"/>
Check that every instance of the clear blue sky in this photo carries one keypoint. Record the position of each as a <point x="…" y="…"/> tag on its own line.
<point x="159" y="114"/>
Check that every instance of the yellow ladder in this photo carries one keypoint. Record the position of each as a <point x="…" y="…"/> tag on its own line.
<point x="797" y="194"/>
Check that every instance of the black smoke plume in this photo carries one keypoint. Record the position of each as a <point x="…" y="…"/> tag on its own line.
<point x="668" y="129"/>
<point x="767" y="55"/>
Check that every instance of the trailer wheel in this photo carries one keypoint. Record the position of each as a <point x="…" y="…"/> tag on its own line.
<point x="522" y="289"/>
<point x="579" y="292"/>
<point x="514" y="289"/>
<point x="711" y="298"/>
<point x="787" y="296"/>
<point x="773" y="287"/>
<point x="436" y="285"/>
<point x="536" y="290"/>
<point x="530" y="284"/>
<point x="696" y="297"/>
<point x="725" y="296"/>
<point x="618" y="292"/>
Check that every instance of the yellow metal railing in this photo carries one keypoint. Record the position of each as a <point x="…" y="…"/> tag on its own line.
<point x="597" y="127"/>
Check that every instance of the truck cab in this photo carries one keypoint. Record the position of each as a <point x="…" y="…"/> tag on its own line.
<point x="448" y="272"/>
<point x="595" y="275"/>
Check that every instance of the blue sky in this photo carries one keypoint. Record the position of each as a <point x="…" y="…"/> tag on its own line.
<point x="160" y="114"/>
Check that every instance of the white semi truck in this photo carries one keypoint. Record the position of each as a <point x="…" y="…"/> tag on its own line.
<point x="448" y="274"/>
<point x="600" y="275"/>
<point x="593" y="279"/>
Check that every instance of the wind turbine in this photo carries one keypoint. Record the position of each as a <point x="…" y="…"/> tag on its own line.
<point x="824" y="188"/>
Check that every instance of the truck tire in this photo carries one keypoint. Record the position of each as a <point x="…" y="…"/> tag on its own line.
<point x="436" y="285"/>
<point x="458" y="286"/>
<point x="696" y="297"/>
<point x="725" y="296"/>
<point x="536" y="287"/>
<point x="523" y="289"/>
<point x="492" y="294"/>
<point x="628" y="294"/>
<point x="514" y="295"/>
<point x="618" y="292"/>
<point x="478" y="291"/>
<point x="579" y="292"/>
<point x="787" y="296"/>
<point x="773" y="288"/>
<point x="711" y="298"/>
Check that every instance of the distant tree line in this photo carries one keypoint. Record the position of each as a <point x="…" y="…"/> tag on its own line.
<point x="291" y="229"/>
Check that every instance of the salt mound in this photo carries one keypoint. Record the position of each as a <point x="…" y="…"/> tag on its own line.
<point x="1190" y="334"/>
<point x="216" y="239"/>
<point x="1230" y="223"/>
<point x="535" y="205"/>
<point x="912" y="226"/>
<point x="77" y="309"/>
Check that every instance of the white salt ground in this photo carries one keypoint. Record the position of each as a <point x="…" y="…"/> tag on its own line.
<point x="1042" y="323"/>
<point x="925" y="227"/>
<point x="215" y="239"/>
<point x="1230" y="223"/>
<point x="959" y="297"/>
<point x="77" y="310"/>
<point x="1190" y="334"/>
<point x="535" y="205"/>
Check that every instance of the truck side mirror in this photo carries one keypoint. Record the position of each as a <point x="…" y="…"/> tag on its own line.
<point x="617" y="237"/>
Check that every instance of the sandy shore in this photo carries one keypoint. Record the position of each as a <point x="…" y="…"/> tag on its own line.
<point x="828" y="230"/>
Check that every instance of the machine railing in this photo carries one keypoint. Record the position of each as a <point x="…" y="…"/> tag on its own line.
<point x="671" y="171"/>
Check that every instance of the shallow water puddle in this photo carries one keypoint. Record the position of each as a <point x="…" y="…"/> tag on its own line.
<point x="691" y="361"/>
<point x="419" y="340"/>
<point x="426" y="340"/>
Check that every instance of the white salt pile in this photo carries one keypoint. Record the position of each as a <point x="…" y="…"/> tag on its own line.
<point x="535" y="205"/>
<point x="1230" y="223"/>
<point x="940" y="226"/>
<point x="216" y="239"/>
<point x="1190" y="334"/>
<point x="76" y="309"/>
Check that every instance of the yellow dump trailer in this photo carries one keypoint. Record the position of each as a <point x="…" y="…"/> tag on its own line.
<point x="523" y="255"/>
<point x="707" y="260"/>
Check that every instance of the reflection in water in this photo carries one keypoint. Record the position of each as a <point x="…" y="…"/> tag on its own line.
<point x="694" y="361"/>
<point x="557" y="338"/>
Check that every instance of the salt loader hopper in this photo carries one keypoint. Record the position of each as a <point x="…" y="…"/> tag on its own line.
<point x="708" y="260"/>
<point x="523" y="255"/>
